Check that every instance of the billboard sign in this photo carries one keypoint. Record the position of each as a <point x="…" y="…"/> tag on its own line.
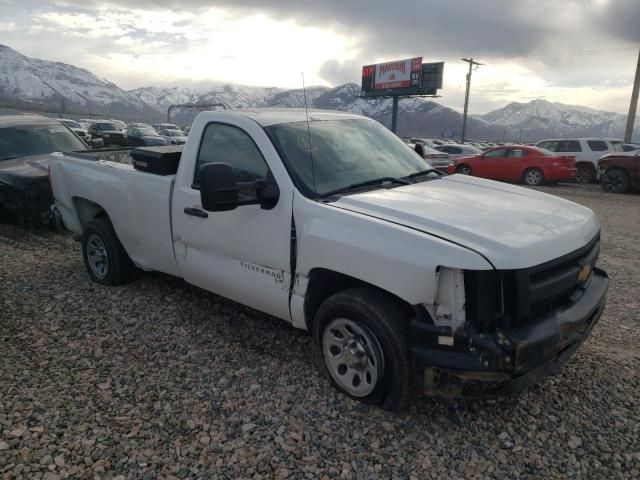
<point x="400" y="74"/>
<point x="396" y="75"/>
<point x="402" y="77"/>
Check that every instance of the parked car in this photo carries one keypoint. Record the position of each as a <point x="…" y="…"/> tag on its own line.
<point x="109" y="132"/>
<point x="175" y="137"/>
<point x="76" y="128"/>
<point x="620" y="172"/>
<point x="25" y="142"/>
<point x="587" y="151"/>
<point x="120" y="124"/>
<point x="85" y="123"/>
<point x="138" y="125"/>
<point x="530" y="165"/>
<point x="138" y="136"/>
<point x="165" y="126"/>
<point x="406" y="278"/>
<point x="457" y="151"/>
<point x="631" y="147"/>
<point x="425" y="141"/>
<point x="436" y="158"/>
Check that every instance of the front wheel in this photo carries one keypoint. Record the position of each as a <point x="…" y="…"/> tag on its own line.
<point x="615" y="181"/>
<point x="463" y="170"/>
<point x="533" y="177"/>
<point x="361" y="335"/>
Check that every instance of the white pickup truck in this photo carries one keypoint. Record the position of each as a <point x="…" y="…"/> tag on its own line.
<point x="407" y="279"/>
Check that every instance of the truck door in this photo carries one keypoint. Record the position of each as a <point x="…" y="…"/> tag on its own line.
<point x="242" y="254"/>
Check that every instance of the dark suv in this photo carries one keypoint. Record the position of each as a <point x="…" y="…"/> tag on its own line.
<point x="144" y="136"/>
<point x="109" y="132"/>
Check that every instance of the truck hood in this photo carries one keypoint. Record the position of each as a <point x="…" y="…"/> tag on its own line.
<point x="23" y="171"/>
<point x="512" y="227"/>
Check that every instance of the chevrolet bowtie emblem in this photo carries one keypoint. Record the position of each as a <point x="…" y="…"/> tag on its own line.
<point x="585" y="271"/>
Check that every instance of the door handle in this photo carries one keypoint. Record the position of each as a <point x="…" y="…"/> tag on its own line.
<point x="196" y="212"/>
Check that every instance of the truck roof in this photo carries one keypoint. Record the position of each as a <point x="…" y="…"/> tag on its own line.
<point x="273" y="116"/>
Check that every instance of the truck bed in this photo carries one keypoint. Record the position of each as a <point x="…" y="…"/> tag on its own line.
<point x="142" y="221"/>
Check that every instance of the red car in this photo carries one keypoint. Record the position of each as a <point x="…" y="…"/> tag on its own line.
<point x="517" y="163"/>
<point x="619" y="172"/>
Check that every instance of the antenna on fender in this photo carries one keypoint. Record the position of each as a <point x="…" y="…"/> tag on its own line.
<point x="306" y="112"/>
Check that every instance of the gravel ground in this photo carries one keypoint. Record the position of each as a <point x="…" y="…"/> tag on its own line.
<point x="158" y="379"/>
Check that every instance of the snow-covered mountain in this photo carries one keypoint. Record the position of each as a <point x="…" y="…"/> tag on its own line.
<point x="28" y="82"/>
<point x="161" y="97"/>
<point x="418" y="116"/>
<point x="25" y="80"/>
<point x="541" y="118"/>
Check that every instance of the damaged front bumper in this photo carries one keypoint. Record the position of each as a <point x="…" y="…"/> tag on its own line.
<point x="508" y="360"/>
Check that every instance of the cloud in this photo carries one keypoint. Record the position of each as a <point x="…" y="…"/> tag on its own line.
<point x="528" y="45"/>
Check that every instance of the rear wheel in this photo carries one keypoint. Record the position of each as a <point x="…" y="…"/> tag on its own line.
<point x="615" y="180"/>
<point x="104" y="256"/>
<point x="533" y="177"/>
<point x="362" y="340"/>
<point x="585" y="173"/>
<point x="463" y="169"/>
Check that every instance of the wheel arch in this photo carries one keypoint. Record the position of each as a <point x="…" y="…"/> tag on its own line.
<point x="87" y="210"/>
<point x="324" y="283"/>
<point x="585" y="163"/>
<point x="619" y="167"/>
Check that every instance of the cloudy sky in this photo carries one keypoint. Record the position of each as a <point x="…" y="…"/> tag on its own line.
<point x="574" y="51"/>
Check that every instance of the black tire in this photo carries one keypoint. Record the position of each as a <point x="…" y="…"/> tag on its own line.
<point x="119" y="267"/>
<point x="585" y="174"/>
<point x="533" y="177"/>
<point x="381" y="316"/>
<point x="464" y="169"/>
<point x="615" y="180"/>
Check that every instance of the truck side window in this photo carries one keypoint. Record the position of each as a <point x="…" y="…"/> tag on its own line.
<point x="228" y="144"/>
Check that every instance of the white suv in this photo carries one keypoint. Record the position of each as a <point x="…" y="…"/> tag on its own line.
<point x="587" y="152"/>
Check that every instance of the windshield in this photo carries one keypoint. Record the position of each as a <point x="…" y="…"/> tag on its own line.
<point x="27" y="140"/>
<point x="617" y="146"/>
<point x="174" y="133"/>
<point x="344" y="152"/>
<point x="471" y="149"/>
<point x="548" y="153"/>
<point x="106" y="126"/>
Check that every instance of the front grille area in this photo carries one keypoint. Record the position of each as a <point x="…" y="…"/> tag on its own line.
<point x="537" y="290"/>
<point x="508" y="298"/>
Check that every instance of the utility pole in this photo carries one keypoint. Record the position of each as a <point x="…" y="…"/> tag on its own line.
<point x="631" y="118"/>
<point x="471" y="63"/>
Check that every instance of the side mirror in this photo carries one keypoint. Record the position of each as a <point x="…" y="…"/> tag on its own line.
<point x="419" y="148"/>
<point x="96" y="143"/>
<point x="218" y="188"/>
